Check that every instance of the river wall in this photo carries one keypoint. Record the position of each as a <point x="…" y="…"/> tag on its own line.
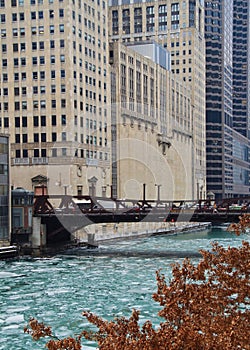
<point x="97" y="233"/>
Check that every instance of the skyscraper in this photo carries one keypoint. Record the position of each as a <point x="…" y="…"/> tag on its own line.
<point x="226" y="97"/>
<point x="54" y="93"/>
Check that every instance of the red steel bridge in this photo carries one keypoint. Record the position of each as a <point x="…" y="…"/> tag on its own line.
<point x="65" y="214"/>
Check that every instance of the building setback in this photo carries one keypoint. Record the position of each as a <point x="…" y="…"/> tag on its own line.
<point x="54" y="93"/>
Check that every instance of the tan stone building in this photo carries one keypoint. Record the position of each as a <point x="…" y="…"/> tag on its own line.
<point x="54" y="93"/>
<point x="179" y="26"/>
<point x="151" y="113"/>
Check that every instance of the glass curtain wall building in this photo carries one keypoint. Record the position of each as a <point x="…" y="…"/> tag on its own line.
<point x="227" y="146"/>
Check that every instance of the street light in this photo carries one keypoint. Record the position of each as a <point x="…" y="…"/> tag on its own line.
<point x="158" y="192"/>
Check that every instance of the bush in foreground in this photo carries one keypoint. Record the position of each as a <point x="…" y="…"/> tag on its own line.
<point x="204" y="306"/>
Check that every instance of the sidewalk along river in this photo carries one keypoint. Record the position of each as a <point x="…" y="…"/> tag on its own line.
<point x="109" y="281"/>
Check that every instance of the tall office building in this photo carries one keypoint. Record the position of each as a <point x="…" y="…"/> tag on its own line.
<point x="179" y="27"/>
<point x="54" y="92"/>
<point x="226" y="28"/>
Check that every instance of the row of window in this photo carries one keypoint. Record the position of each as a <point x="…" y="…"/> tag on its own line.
<point x="33" y="15"/>
<point x="34" y="31"/>
<point x="64" y="152"/>
<point x="42" y="137"/>
<point x="36" y="75"/>
<point x="37" y="60"/>
<point x="15" y="3"/>
<point x="35" y="45"/>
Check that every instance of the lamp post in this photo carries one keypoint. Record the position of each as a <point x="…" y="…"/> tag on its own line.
<point x="158" y="192"/>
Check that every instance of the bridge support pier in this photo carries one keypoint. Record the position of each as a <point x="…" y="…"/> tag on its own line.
<point x="39" y="234"/>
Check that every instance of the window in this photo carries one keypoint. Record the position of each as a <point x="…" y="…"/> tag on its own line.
<point x="41" y="45"/>
<point x="33" y="15"/>
<point x="15" y="47"/>
<point x="52" y="29"/>
<point x="4" y="62"/>
<point x="52" y="44"/>
<point x="35" y="121"/>
<point x="14" y="17"/>
<point x="36" y="137"/>
<point x="17" y="138"/>
<point x="62" y="43"/>
<point x="3" y="33"/>
<point x="22" y="32"/>
<point x="64" y="136"/>
<point x="42" y="89"/>
<point x="35" y="90"/>
<point x="43" y="120"/>
<point x="23" y="61"/>
<point x="24" y="122"/>
<point x="62" y="58"/>
<point x="53" y="120"/>
<point x="53" y="103"/>
<point x="63" y="119"/>
<point x="42" y="60"/>
<point x="17" y="122"/>
<point x="4" y="48"/>
<point x="53" y="74"/>
<point x="36" y="153"/>
<point x="53" y="59"/>
<point x="16" y="91"/>
<point x="23" y="46"/>
<point x="17" y="105"/>
<point x="33" y="31"/>
<point x="53" y="137"/>
<point x="15" y="62"/>
<point x="24" y="91"/>
<point x="43" y="137"/>
<point x="21" y="16"/>
<point x="41" y="30"/>
<point x="25" y="138"/>
<point x="43" y="104"/>
<point x="61" y="13"/>
<point x="6" y="122"/>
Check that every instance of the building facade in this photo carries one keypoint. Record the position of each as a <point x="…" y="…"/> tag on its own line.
<point x="179" y="27"/>
<point x="227" y="97"/>
<point x="152" y="142"/>
<point x="5" y="215"/>
<point x="54" y="92"/>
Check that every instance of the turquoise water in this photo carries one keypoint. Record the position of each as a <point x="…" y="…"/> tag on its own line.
<point x="110" y="282"/>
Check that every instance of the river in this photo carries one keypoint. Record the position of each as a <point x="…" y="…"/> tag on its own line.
<point x="109" y="281"/>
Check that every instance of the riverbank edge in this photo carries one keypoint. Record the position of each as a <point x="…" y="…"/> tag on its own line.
<point x="91" y="240"/>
